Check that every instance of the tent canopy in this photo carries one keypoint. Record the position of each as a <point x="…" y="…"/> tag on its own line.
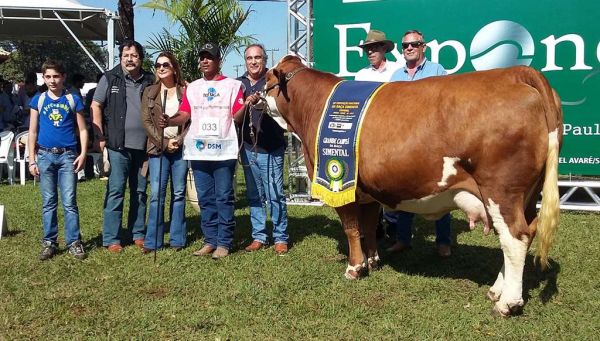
<point x="37" y="19"/>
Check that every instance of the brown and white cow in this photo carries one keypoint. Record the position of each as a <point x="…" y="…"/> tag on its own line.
<point x="485" y="142"/>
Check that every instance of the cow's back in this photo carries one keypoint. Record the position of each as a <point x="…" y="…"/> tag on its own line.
<point x="481" y="120"/>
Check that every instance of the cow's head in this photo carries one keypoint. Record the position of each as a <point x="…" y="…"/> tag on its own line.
<point x="276" y="88"/>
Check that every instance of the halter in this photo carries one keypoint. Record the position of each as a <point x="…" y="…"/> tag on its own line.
<point x="288" y="77"/>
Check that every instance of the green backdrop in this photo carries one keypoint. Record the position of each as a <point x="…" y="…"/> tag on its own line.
<point x="560" y="38"/>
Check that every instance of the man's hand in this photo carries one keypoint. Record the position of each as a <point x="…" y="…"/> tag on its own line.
<point x="172" y="145"/>
<point x="33" y="169"/>
<point x="79" y="163"/>
<point x="252" y="99"/>
<point x="163" y="121"/>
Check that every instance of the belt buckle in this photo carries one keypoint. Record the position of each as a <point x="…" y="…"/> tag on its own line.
<point x="55" y="150"/>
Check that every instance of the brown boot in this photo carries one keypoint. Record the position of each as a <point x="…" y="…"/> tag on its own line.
<point x="398" y="247"/>
<point x="254" y="246"/>
<point x="281" y="248"/>
<point x="205" y="250"/>
<point x="139" y="243"/>
<point x="114" y="248"/>
<point x="220" y="252"/>
<point x="444" y="250"/>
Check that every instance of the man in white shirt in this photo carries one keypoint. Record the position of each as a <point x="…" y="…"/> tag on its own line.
<point x="380" y="69"/>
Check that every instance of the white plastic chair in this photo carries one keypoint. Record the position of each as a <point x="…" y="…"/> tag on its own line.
<point x="7" y="153"/>
<point x="22" y="159"/>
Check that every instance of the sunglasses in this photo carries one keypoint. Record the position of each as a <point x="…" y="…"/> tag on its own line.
<point x="414" y="44"/>
<point x="165" y="65"/>
<point x="373" y="46"/>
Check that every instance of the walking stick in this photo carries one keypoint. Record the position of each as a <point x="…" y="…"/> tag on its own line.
<point x="159" y="209"/>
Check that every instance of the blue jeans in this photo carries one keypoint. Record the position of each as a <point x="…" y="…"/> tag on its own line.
<point x="56" y="171"/>
<point x="403" y="221"/>
<point x="214" y="187"/>
<point x="264" y="185"/>
<point x="125" y="166"/>
<point x="174" y="165"/>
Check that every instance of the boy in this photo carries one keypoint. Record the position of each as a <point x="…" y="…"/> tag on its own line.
<point x="53" y="114"/>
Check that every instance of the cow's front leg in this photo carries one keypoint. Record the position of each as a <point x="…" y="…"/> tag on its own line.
<point x="369" y="214"/>
<point x="349" y="217"/>
<point x="496" y="290"/>
<point x="510" y="301"/>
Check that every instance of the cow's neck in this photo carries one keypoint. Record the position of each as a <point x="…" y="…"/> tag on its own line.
<point x="308" y="97"/>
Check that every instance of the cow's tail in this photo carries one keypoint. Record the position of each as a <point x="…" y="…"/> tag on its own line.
<point x="548" y="215"/>
<point x="549" y="212"/>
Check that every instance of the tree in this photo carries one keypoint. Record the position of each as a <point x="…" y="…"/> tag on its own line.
<point x="202" y="21"/>
<point x="29" y="56"/>
<point x="126" y="14"/>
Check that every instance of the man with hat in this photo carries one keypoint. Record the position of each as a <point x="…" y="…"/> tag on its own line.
<point x="380" y="69"/>
<point x="211" y="145"/>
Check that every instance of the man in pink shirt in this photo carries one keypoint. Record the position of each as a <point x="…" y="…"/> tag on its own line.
<point x="211" y="145"/>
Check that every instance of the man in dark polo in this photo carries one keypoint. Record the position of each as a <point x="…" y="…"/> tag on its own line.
<point x="116" y="109"/>
<point x="262" y="159"/>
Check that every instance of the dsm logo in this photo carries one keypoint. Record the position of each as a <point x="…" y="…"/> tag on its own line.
<point x="202" y="145"/>
<point x="211" y="94"/>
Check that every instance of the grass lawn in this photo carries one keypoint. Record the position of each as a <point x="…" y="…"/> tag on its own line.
<point x="302" y="295"/>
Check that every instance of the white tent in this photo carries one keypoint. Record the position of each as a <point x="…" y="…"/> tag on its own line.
<point x="57" y="19"/>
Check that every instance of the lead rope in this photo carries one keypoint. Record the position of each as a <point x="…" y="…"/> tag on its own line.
<point x="255" y="140"/>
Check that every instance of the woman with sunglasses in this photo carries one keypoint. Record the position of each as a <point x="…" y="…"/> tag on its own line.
<point x="165" y="145"/>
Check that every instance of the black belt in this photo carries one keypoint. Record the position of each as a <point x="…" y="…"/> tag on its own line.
<point x="56" y="150"/>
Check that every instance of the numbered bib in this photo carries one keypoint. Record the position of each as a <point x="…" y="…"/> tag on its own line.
<point x="209" y="127"/>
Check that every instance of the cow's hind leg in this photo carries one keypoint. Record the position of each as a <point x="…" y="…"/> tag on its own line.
<point x="369" y="214"/>
<point x="349" y="215"/>
<point x="509" y="221"/>
<point x="531" y="219"/>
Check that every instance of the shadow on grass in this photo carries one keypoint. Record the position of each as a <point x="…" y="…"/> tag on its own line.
<point x="298" y="227"/>
<point x="11" y="233"/>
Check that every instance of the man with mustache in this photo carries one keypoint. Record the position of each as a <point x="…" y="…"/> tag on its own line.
<point x="380" y="69"/>
<point x="116" y="112"/>
<point x="417" y="67"/>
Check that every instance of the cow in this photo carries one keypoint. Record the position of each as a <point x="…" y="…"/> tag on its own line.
<point x="485" y="142"/>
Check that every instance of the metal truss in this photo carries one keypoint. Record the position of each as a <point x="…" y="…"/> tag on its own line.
<point x="299" y="44"/>
<point x="580" y="195"/>
<point x="300" y="29"/>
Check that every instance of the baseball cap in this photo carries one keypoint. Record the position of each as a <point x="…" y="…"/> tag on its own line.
<point x="212" y="49"/>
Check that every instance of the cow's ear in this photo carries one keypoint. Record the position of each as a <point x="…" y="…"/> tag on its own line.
<point x="281" y="78"/>
<point x="277" y="73"/>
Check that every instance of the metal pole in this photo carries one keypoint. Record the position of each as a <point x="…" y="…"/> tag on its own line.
<point x="77" y="40"/>
<point x="309" y="60"/>
<point x="110" y="38"/>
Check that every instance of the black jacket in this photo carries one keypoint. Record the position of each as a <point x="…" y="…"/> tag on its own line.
<point x="264" y="128"/>
<point x="115" y="106"/>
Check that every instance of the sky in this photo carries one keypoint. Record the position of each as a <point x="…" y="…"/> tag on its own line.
<point x="267" y="23"/>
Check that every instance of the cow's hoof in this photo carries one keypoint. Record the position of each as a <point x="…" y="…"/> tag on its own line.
<point x="498" y="313"/>
<point x="493" y="296"/>
<point x="356" y="271"/>
<point x="373" y="263"/>
<point x="508" y="309"/>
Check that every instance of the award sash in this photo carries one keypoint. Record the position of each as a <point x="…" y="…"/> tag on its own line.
<point x="336" y="147"/>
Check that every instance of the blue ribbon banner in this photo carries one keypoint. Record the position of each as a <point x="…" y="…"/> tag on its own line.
<point x="336" y="164"/>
